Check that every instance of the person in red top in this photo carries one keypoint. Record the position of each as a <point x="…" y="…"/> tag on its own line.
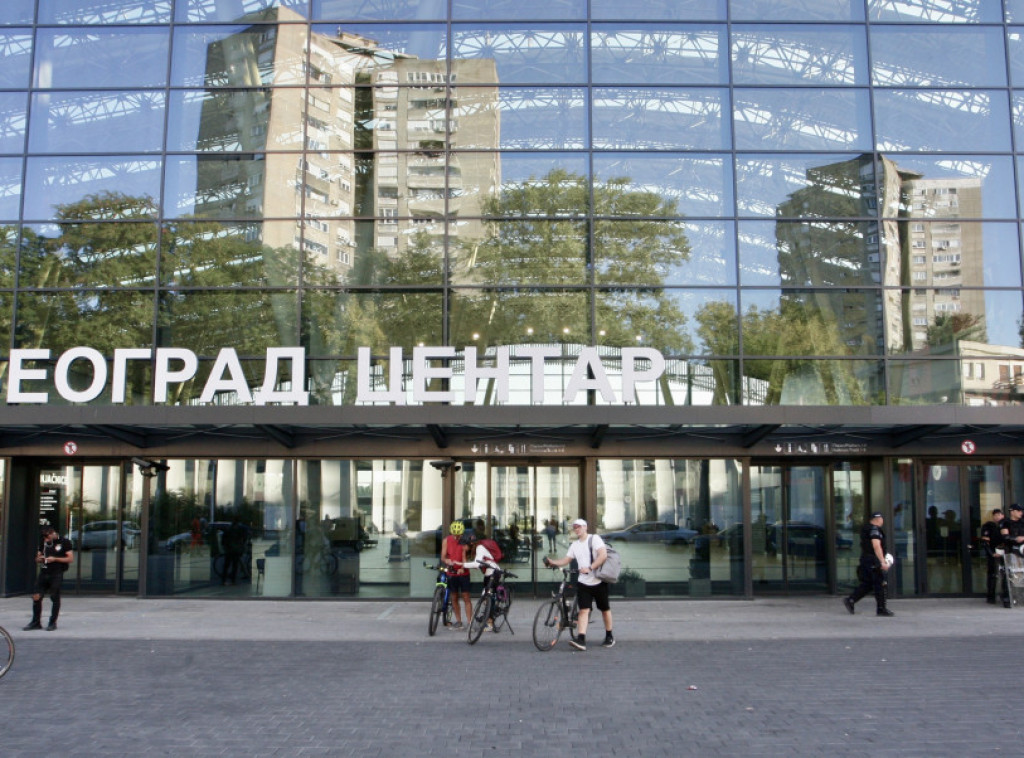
<point x="453" y="552"/>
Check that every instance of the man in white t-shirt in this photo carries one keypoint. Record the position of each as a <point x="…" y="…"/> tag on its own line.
<point x="591" y="589"/>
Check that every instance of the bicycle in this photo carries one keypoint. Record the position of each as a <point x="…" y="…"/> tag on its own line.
<point x="441" y="605"/>
<point x="556" y="615"/>
<point x="6" y="651"/>
<point x="494" y="604"/>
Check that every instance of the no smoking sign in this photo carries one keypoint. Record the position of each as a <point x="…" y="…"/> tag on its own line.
<point x="968" y="447"/>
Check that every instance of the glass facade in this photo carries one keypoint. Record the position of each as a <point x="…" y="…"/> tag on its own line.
<point x="685" y="176"/>
<point x="572" y="208"/>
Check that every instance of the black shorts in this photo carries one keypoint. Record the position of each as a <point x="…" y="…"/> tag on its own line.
<point x="596" y="595"/>
<point x="459" y="584"/>
<point x="49" y="582"/>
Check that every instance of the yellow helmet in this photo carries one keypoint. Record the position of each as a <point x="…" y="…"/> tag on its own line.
<point x="457" y="528"/>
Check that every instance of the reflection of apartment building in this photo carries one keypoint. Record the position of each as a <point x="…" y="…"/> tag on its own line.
<point x="376" y="125"/>
<point x="944" y="254"/>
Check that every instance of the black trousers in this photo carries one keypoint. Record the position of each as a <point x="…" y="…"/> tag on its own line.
<point x="872" y="579"/>
<point x="47" y="583"/>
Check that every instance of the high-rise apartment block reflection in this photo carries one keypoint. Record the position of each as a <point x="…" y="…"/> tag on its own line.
<point x="357" y="145"/>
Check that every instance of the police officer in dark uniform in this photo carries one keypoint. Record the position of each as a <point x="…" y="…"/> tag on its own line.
<point x="1012" y="531"/>
<point x="54" y="557"/>
<point x="991" y="539"/>
<point x="872" y="567"/>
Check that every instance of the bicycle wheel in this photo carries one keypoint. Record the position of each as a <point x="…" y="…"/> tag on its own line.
<point x="436" y="609"/>
<point x="6" y="651"/>
<point x="547" y="625"/>
<point x="330" y="564"/>
<point x="479" y="621"/>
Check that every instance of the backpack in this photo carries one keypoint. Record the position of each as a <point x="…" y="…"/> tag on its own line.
<point x="607" y="572"/>
<point x="492" y="548"/>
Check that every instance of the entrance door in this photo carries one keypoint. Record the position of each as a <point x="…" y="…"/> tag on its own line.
<point x="959" y="498"/>
<point x="517" y="503"/>
<point x="789" y="506"/>
<point x="87" y="504"/>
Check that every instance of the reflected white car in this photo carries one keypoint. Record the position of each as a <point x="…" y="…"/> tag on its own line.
<point x="102" y="535"/>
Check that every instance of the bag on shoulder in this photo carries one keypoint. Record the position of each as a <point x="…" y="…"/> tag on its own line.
<point x="607" y="572"/>
<point x="492" y="548"/>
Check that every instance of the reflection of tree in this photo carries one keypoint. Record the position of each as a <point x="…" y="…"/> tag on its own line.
<point x="798" y="330"/>
<point x="949" y="328"/>
<point x="97" y="277"/>
<point x="537" y="240"/>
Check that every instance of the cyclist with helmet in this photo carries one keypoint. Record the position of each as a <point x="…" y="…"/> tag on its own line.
<point x="485" y="557"/>
<point x="454" y="552"/>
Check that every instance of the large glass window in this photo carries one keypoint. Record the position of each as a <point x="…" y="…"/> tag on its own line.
<point x="677" y="523"/>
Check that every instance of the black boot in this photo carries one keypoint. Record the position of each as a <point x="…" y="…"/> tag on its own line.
<point x="37" y="613"/>
<point x="883" y="611"/>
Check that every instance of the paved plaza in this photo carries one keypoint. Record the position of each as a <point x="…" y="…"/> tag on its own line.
<point x="769" y="677"/>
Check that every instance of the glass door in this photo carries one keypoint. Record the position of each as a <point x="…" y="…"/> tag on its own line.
<point x="959" y="498"/>
<point x="525" y="507"/>
<point x="86" y="503"/>
<point x="788" y="528"/>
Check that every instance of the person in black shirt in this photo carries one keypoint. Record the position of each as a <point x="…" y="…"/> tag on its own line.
<point x="1012" y="532"/>
<point x="990" y="540"/>
<point x="54" y="557"/>
<point x="872" y="567"/>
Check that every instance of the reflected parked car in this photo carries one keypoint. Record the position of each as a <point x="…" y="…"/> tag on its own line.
<point x="653" y="531"/>
<point x="102" y="535"/>
<point x="184" y="540"/>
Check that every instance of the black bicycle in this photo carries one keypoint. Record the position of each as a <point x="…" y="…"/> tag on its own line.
<point x="555" y="616"/>
<point x="6" y="651"/>
<point x="441" y="605"/>
<point x="492" y="607"/>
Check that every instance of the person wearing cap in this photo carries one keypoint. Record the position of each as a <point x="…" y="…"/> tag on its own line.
<point x="54" y="557"/>
<point x="991" y="539"/>
<point x="591" y="590"/>
<point x="872" y="567"/>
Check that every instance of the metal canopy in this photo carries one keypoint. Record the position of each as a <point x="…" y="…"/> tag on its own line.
<point x="458" y="431"/>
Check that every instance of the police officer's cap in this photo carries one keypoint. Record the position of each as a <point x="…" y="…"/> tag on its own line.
<point x="1016" y="507"/>
<point x="876" y="514"/>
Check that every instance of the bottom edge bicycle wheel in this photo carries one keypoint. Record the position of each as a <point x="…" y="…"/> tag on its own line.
<point x="6" y="651"/>
<point x="436" y="609"/>
<point x="479" y="620"/>
<point x="547" y="626"/>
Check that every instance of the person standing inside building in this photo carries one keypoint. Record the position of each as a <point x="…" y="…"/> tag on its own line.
<point x="990" y="540"/>
<point x="589" y="553"/>
<point x="53" y="557"/>
<point x="873" y="566"/>
<point x="452" y="552"/>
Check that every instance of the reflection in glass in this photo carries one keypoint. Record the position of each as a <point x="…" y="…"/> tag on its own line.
<point x="658" y="54"/>
<point x="337" y="323"/>
<point x="693" y="185"/>
<point x="91" y="12"/>
<point x="538" y="9"/>
<point x="941" y="120"/>
<point x="57" y="321"/>
<point x="951" y="186"/>
<point x="670" y="252"/>
<point x="937" y="57"/>
<point x="677" y="523"/>
<point x="395" y="10"/>
<point x="802" y="119"/>
<point x="659" y="119"/>
<point x="230" y="10"/>
<point x="805" y="185"/>
<point x="827" y="55"/>
<point x="796" y="10"/>
<point x="212" y="56"/>
<point x="518" y="316"/>
<point x="69" y="187"/>
<point x="554" y="54"/>
<point x="15" y="58"/>
<point x="218" y="120"/>
<point x="95" y="57"/>
<point x="16" y="12"/>
<point x="10" y="188"/>
<point x="519" y="172"/>
<point x="926" y="11"/>
<point x="97" y="122"/>
<point x="803" y="381"/>
<point x="222" y="528"/>
<point x="659" y="10"/>
<point x="523" y="118"/>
